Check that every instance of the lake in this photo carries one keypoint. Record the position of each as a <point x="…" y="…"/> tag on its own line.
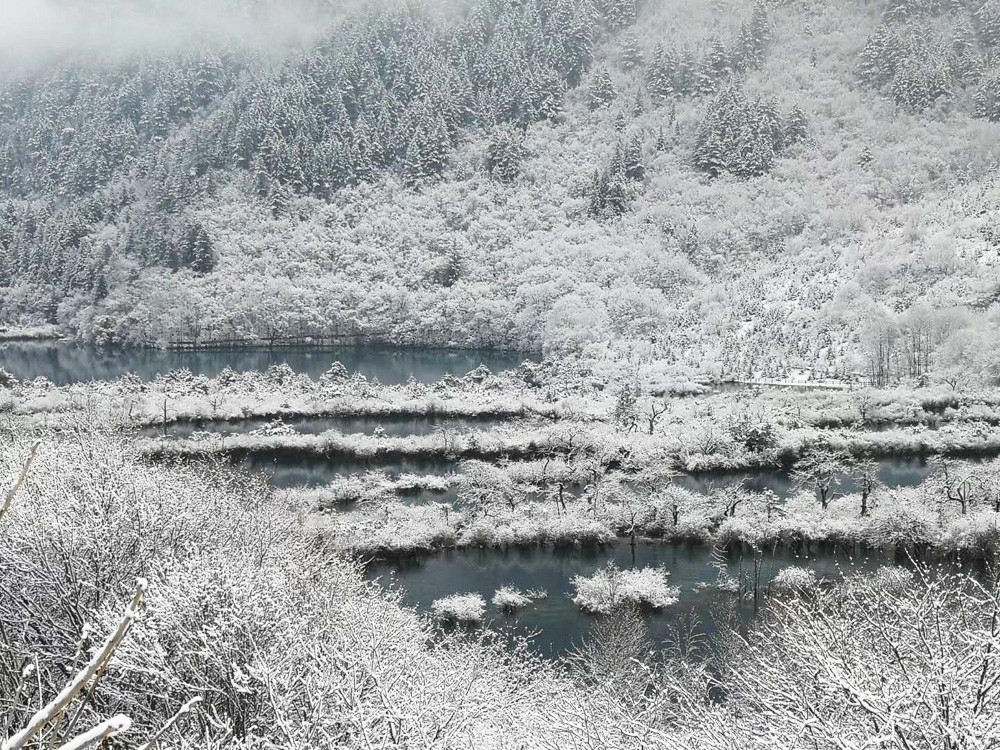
<point x="66" y="363"/>
<point x="558" y="624"/>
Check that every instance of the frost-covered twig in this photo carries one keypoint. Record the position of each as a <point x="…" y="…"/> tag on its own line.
<point x="97" y="735"/>
<point x="61" y="702"/>
<point x="8" y="496"/>
<point x="185" y="709"/>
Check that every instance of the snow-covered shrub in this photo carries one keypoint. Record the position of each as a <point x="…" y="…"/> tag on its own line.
<point x="7" y="381"/>
<point x="459" y="608"/>
<point x="610" y="587"/>
<point x="892" y="578"/>
<point x="508" y="598"/>
<point x="794" y="579"/>
<point x="861" y="657"/>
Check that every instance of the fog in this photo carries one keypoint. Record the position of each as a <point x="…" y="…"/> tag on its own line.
<point x="34" y="32"/>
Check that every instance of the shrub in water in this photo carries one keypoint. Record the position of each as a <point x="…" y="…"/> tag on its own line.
<point x="794" y="579"/>
<point x="459" y="608"/>
<point x="610" y="587"/>
<point x="508" y="598"/>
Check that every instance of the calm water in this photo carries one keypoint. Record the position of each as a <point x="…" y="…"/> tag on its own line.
<point x="558" y="622"/>
<point x="894" y="471"/>
<point x="314" y="470"/>
<point x="310" y="470"/>
<point x="394" y="425"/>
<point x="65" y="363"/>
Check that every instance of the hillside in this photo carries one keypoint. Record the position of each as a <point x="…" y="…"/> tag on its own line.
<point x="729" y="187"/>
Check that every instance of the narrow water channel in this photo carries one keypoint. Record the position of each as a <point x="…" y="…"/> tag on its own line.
<point x="66" y="363"/>
<point x="313" y="470"/>
<point x="393" y="425"/>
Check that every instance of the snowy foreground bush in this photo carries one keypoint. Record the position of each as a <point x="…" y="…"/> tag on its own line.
<point x="610" y="587"/>
<point x="289" y="647"/>
<point x="459" y="608"/>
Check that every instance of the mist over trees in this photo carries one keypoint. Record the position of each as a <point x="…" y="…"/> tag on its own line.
<point x="735" y="187"/>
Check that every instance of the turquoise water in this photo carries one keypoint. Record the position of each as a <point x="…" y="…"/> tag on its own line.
<point x="66" y="363"/>
<point x="557" y="624"/>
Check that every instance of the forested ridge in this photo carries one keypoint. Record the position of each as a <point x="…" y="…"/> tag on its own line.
<point x="732" y="186"/>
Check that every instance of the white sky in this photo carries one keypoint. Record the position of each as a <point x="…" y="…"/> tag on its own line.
<point x="34" y="31"/>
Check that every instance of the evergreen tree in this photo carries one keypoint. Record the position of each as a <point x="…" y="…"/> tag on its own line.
<point x="638" y="103"/>
<point x="662" y="142"/>
<point x="504" y="155"/>
<point x="987" y="98"/>
<point x="661" y="73"/>
<point x="881" y="56"/>
<point x="198" y="245"/>
<point x="632" y="55"/>
<point x="631" y="158"/>
<point x="738" y="136"/>
<point x="601" y="90"/>
<point x="796" y="126"/>
<point x="718" y="60"/>
<point x="904" y="10"/>
<point x="413" y="166"/>
<point x="988" y="24"/>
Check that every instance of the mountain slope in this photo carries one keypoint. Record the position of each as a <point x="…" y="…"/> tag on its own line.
<point x="725" y="186"/>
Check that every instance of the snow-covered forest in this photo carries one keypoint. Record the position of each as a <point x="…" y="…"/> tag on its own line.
<point x="739" y="187"/>
<point x="500" y="374"/>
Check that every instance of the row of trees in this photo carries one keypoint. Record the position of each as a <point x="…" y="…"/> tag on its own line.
<point x="676" y="72"/>
<point x="910" y="59"/>
<point x="743" y="134"/>
<point x="141" y="142"/>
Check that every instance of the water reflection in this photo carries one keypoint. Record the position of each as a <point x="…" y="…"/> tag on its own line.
<point x="558" y="621"/>
<point x="65" y="363"/>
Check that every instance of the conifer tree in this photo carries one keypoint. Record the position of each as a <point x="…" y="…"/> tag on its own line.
<point x="796" y="126"/>
<point x="987" y="98"/>
<point x="601" y="90"/>
<point x="632" y="54"/>
<point x="988" y="24"/>
<point x="505" y="154"/>
<point x="881" y="56"/>
<point x="739" y="135"/>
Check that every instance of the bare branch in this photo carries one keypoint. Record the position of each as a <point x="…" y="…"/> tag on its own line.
<point x="185" y="709"/>
<point x="60" y="703"/>
<point x="8" y="497"/>
<point x="98" y="734"/>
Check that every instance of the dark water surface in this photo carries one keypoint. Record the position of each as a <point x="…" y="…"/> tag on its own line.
<point x="558" y="622"/>
<point x="65" y="363"/>
<point x="894" y="471"/>
<point x="394" y="425"/>
<point x="309" y="470"/>
<point x="312" y="470"/>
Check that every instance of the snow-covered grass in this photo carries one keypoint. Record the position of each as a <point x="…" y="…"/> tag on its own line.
<point x="610" y="587"/>
<point x="468" y="608"/>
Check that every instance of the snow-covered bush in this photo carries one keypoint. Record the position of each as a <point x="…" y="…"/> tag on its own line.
<point x="508" y="598"/>
<point x="610" y="587"/>
<point x="459" y="608"/>
<point x="794" y="579"/>
<point x="892" y="578"/>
